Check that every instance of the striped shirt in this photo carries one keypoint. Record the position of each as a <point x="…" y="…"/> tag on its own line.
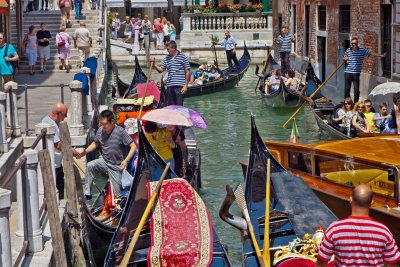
<point x="228" y="44"/>
<point x="176" y="67"/>
<point x="285" y="43"/>
<point x="359" y="241"/>
<point x="113" y="145"/>
<point x="355" y="61"/>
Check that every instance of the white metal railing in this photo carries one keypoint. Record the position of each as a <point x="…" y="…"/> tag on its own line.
<point x="227" y="21"/>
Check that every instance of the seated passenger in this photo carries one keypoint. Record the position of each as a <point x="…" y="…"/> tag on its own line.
<point x="273" y="82"/>
<point x="213" y="75"/>
<point x="290" y="82"/>
<point x="345" y="115"/>
<point x="200" y="76"/>
<point x="180" y="151"/>
<point x="369" y="113"/>
<point x="393" y="125"/>
<point x="192" y="77"/>
<point x="381" y="119"/>
<point x="359" y="122"/>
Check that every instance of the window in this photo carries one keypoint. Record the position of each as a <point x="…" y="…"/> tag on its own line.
<point x="294" y="26"/>
<point x="344" y="18"/>
<point x="300" y="161"/>
<point x="387" y="40"/>
<point x="307" y="30"/>
<point x="322" y="18"/>
<point x="350" y="173"/>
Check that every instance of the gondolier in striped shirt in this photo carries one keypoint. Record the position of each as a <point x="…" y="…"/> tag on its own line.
<point x="285" y="47"/>
<point x="178" y="73"/>
<point x="354" y="57"/>
<point x="358" y="240"/>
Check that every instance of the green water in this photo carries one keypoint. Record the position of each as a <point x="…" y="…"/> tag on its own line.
<point x="226" y="142"/>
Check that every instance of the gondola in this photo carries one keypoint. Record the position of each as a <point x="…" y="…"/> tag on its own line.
<point x="138" y="77"/>
<point x="232" y="76"/>
<point x="283" y="97"/>
<point x="97" y="234"/>
<point x="294" y="208"/>
<point x="136" y="202"/>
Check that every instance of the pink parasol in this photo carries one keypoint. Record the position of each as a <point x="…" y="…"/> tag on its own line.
<point x="152" y="89"/>
<point x="168" y="117"/>
<point x="191" y="114"/>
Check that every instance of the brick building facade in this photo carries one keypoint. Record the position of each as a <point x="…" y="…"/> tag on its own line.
<point x="324" y="29"/>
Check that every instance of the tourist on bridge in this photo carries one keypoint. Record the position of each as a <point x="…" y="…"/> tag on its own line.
<point x="229" y="44"/>
<point x="284" y="42"/>
<point x="63" y="41"/>
<point x="128" y="28"/>
<point x="354" y="57"/>
<point x="58" y="114"/>
<point x="178" y="73"/>
<point x="146" y="28"/>
<point x="112" y="140"/>
<point x="7" y="55"/>
<point x="44" y="37"/>
<point x="82" y="40"/>
<point x="115" y="25"/>
<point x="358" y="240"/>
<point x="31" y="47"/>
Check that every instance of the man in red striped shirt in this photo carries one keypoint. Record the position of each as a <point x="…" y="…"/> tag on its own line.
<point x="358" y="240"/>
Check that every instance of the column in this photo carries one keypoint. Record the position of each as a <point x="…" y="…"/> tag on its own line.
<point x="12" y="109"/>
<point x="76" y="127"/>
<point x="50" y="132"/>
<point x="87" y="103"/>
<point x="29" y="174"/>
<point x="3" y="136"/>
<point x="5" y="241"/>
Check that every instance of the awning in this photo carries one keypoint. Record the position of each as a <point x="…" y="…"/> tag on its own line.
<point x="115" y="3"/>
<point x="149" y="3"/>
<point x="189" y="2"/>
<point x="3" y="7"/>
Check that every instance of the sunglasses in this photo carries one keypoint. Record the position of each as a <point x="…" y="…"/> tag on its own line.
<point x="347" y="103"/>
<point x="354" y="43"/>
<point x="361" y="107"/>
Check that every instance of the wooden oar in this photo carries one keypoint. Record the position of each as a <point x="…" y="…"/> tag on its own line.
<point x="152" y="201"/>
<point x="145" y="90"/>
<point x="239" y="195"/>
<point x="266" y="252"/>
<point x="316" y="91"/>
<point x="263" y="70"/>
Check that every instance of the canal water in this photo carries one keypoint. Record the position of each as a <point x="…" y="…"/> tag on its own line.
<point x="226" y="142"/>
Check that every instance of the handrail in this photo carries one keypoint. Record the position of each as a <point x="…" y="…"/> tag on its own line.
<point x="41" y="136"/>
<point x="11" y="174"/>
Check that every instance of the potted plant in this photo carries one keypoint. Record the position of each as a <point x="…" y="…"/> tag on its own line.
<point x="250" y="8"/>
<point x="235" y="8"/>
<point x="222" y="8"/>
<point x="258" y="7"/>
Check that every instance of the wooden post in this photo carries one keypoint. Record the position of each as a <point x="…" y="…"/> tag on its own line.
<point x="70" y="188"/>
<point x="52" y="208"/>
<point x="275" y="25"/>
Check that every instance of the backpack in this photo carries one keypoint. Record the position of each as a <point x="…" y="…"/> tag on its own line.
<point x="14" y="64"/>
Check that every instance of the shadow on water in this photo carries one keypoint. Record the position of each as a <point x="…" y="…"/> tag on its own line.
<point x="227" y="141"/>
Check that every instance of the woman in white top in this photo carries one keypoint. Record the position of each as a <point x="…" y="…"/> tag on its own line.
<point x="30" y="43"/>
<point x="346" y="113"/>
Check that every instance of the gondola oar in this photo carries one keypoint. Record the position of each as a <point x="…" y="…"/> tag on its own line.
<point x="152" y="201"/>
<point x="316" y="91"/>
<point x="263" y="70"/>
<point x="239" y="195"/>
<point x="266" y="252"/>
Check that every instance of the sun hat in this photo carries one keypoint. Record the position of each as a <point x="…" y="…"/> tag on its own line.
<point x="131" y="126"/>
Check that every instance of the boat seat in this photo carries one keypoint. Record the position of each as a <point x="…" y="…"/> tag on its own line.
<point x="377" y="179"/>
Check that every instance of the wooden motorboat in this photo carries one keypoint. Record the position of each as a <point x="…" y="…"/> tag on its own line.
<point x="283" y="97"/>
<point x="294" y="208"/>
<point x="138" y="77"/>
<point x="232" y="77"/>
<point x="97" y="234"/>
<point x="333" y="168"/>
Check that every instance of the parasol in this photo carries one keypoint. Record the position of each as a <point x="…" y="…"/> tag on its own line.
<point x="152" y="89"/>
<point x="192" y="115"/>
<point x="384" y="93"/>
<point x="168" y="117"/>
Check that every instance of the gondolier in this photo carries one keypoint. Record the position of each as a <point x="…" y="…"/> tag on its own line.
<point x="178" y="73"/>
<point x="354" y="57"/>
<point x="229" y="44"/>
<point x="284" y="41"/>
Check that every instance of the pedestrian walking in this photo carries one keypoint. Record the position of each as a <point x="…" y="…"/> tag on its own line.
<point x="158" y="34"/>
<point x="31" y="47"/>
<point x="358" y="240"/>
<point x="171" y="31"/>
<point x="146" y="28"/>
<point x="166" y="32"/>
<point x="115" y="25"/>
<point x="58" y="114"/>
<point x="284" y="42"/>
<point x="28" y="6"/>
<point x="82" y="41"/>
<point x="112" y="140"/>
<point x="229" y="44"/>
<point x="7" y="55"/>
<point x="354" y="57"/>
<point x="177" y="67"/>
<point x="63" y="41"/>
<point x="65" y="7"/>
<point x="47" y="5"/>
<point x="78" y="10"/>
<point x="44" y="37"/>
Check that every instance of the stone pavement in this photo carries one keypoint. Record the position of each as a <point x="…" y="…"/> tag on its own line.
<point x="41" y="97"/>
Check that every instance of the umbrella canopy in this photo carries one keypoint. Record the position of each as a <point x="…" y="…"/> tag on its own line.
<point x="386" y="88"/>
<point x="192" y="115"/>
<point x="152" y="89"/>
<point x="166" y="116"/>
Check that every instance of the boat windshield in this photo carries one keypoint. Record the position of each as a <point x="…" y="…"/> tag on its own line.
<point x="300" y="161"/>
<point x="347" y="172"/>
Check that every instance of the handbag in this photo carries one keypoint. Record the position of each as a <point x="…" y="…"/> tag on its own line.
<point x="61" y="43"/>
